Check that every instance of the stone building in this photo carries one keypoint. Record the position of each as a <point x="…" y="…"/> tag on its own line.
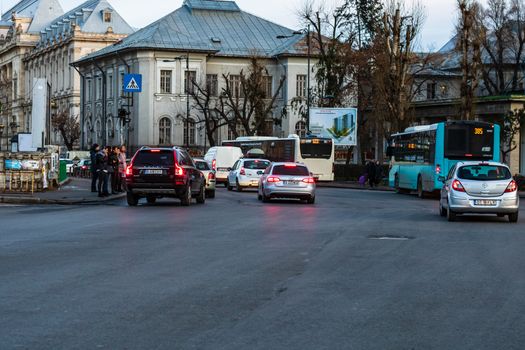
<point x="38" y="40"/>
<point x="218" y="39"/>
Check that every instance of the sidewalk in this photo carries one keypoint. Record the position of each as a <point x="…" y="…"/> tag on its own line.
<point x="74" y="191"/>
<point x="354" y="185"/>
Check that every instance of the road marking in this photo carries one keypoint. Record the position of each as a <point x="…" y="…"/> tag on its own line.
<point x="390" y="238"/>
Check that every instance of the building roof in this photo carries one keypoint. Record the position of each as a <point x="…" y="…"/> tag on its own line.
<point x="42" y="12"/>
<point x="211" y="26"/>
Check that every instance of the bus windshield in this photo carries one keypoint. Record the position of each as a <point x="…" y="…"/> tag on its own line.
<point x="469" y="141"/>
<point x="316" y="148"/>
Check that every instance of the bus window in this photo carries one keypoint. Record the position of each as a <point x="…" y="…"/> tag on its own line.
<point x="316" y="148"/>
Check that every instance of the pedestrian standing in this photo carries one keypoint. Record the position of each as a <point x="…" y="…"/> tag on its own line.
<point x="379" y="173"/>
<point x="113" y="169"/>
<point x="102" y="172"/>
<point x="93" y="156"/>
<point x="371" y="172"/>
<point x="122" y="165"/>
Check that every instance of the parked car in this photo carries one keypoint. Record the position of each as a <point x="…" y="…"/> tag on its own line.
<point x="209" y="175"/>
<point x="82" y="168"/>
<point x="246" y="173"/>
<point x="221" y="158"/>
<point x="69" y="165"/>
<point x="479" y="188"/>
<point x="164" y="172"/>
<point x="287" y="180"/>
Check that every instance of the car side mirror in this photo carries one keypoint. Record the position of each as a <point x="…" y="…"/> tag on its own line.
<point x="442" y="179"/>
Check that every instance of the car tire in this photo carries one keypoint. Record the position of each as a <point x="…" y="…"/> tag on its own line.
<point x="442" y="211"/>
<point x="311" y="200"/>
<point x="513" y="217"/>
<point x="451" y="216"/>
<point x="228" y="185"/>
<point x="210" y="194"/>
<point x="237" y="186"/>
<point x="259" y="197"/>
<point x="151" y="200"/>
<point x="500" y="215"/>
<point x="185" y="200"/>
<point x="132" y="199"/>
<point x="201" y="197"/>
<point x="265" y="198"/>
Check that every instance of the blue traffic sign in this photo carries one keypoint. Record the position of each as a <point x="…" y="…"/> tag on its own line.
<point x="132" y="83"/>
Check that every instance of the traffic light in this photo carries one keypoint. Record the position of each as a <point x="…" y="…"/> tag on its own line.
<point x="123" y="115"/>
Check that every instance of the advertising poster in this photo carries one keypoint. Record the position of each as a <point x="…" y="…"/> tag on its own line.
<point x="340" y="124"/>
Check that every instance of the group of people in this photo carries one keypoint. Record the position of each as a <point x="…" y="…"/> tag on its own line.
<point x="108" y="167"/>
<point x="374" y="173"/>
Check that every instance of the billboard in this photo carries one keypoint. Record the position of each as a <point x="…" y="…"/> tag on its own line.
<point x="340" y="124"/>
<point x="39" y="113"/>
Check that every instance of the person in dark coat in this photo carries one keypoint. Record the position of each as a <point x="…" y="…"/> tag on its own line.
<point x="93" y="156"/>
<point x="102" y="172"/>
<point x="371" y="172"/>
<point x="113" y="169"/>
<point x="379" y="173"/>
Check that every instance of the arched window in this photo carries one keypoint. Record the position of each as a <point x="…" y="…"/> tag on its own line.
<point x="191" y="131"/>
<point x="300" y="129"/>
<point x="165" y="131"/>
<point x="98" y="131"/>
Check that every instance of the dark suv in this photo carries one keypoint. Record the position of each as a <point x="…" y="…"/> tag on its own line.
<point x="164" y="172"/>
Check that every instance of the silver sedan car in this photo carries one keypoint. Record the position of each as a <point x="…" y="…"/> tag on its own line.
<point x="479" y="188"/>
<point x="287" y="180"/>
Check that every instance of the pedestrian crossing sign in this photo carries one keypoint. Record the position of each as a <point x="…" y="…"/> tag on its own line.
<point x="132" y="83"/>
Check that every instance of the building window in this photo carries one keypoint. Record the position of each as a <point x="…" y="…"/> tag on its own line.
<point x="240" y="131"/>
<point x="268" y="86"/>
<point x="121" y="84"/>
<point x="109" y="86"/>
<point x="431" y="91"/>
<point x="107" y="16"/>
<point x="212" y="84"/>
<point x="191" y="130"/>
<point x="236" y="86"/>
<point x="300" y="128"/>
<point x="443" y="89"/>
<point x="89" y="89"/>
<point x="300" y="85"/>
<point x="98" y="88"/>
<point x="190" y="77"/>
<point x="165" y="81"/>
<point x="165" y="131"/>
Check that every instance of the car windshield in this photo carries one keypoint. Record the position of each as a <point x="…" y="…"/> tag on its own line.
<point x="484" y="172"/>
<point x="256" y="164"/>
<point x="293" y="170"/>
<point x="203" y="166"/>
<point x="154" y="158"/>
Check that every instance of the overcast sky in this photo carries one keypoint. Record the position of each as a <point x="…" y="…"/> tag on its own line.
<point x="439" y="25"/>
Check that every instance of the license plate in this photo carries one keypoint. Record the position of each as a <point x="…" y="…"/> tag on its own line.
<point x="222" y="169"/>
<point x="153" y="172"/>
<point x="485" y="202"/>
<point x="291" y="182"/>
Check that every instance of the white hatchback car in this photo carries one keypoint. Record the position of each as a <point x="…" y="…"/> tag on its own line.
<point x="246" y="173"/>
<point x="479" y="188"/>
<point x="209" y="174"/>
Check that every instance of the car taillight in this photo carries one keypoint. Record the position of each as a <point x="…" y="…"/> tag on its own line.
<point x="214" y="164"/>
<point x="211" y="176"/>
<point x="83" y="167"/>
<point x="242" y="172"/>
<point x="512" y="187"/>
<point x="273" y="179"/>
<point x="457" y="186"/>
<point x="179" y="171"/>
<point x="309" y="180"/>
<point x="129" y="170"/>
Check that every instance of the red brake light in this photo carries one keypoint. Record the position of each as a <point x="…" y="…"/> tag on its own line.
<point x="468" y="155"/>
<point x="155" y="150"/>
<point x="290" y="165"/>
<point x="179" y="171"/>
<point x="273" y="179"/>
<point x="211" y="176"/>
<point x="457" y="186"/>
<point x="214" y="164"/>
<point x="309" y="180"/>
<point x="129" y="170"/>
<point x="242" y="172"/>
<point x="512" y="187"/>
<point x="84" y="167"/>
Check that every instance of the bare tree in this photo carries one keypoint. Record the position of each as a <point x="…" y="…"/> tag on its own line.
<point x="512" y="124"/>
<point x="247" y="99"/>
<point x="69" y="128"/>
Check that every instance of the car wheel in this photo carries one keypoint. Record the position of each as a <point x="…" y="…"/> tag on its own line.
<point x="210" y="194"/>
<point x="132" y="199"/>
<point x="451" y="216"/>
<point x="264" y="198"/>
<point x="185" y="200"/>
<point x="501" y="215"/>
<point x="513" y="217"/>
<point x="201" y="197"/>
<point x="442" y="211"/>
<point x="151" y="200"/>
<point x="311" y="200"/>
<point x="228" y="185"/>
<point x="396" y="184"/>
<point x="420" y="192"/>
<point x="237" y="186"/>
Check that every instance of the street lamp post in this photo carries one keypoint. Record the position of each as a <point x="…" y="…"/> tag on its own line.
<point x="309" y="54"/>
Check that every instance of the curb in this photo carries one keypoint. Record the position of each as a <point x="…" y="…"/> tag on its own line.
<point x="38" y="200"/>
<point x="351" y="187"/>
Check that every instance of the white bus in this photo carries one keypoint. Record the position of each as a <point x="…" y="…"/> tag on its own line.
<point x="316" y="153"/>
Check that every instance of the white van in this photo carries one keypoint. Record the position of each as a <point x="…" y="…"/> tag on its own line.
<point x="221" y="159"/>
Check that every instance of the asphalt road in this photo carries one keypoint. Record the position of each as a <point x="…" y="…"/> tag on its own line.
<point x="357" y="270"/>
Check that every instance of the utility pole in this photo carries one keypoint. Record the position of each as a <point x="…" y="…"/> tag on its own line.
<point x="187" y="126"/>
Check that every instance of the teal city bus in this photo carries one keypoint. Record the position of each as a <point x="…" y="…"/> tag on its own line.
<point x="421" y="154"/>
